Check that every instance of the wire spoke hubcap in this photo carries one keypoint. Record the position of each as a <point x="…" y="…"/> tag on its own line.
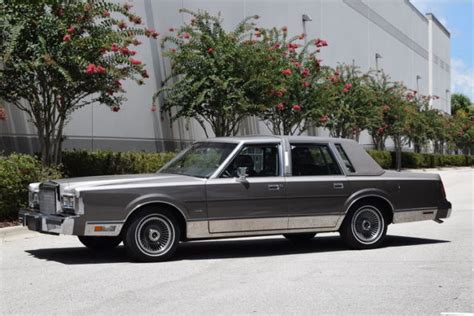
<point x="367" y="225"/>
<point x="155" y="235"/>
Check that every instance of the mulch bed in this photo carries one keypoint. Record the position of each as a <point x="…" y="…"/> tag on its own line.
<point x="9" y="224"/>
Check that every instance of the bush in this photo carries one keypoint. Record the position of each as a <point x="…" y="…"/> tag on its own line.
<point x="16" y="172"/>
<point x="79" y="163"/>
<point x="383" y="158"/>
<point x="413" y="160"/>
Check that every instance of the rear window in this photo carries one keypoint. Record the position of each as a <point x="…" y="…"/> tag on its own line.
<point x="344" y="157"/>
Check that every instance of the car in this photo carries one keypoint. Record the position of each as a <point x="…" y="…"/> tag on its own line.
<point x="226" y="187"/>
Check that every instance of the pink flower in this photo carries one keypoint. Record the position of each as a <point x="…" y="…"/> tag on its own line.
<point x="145" y="74"/>
<point x="334" y="79"/>
<point x="381" y="131"/>
<point x="3" y="114"/>
<point x="135" y="19"/>
<point x="297" y="64"/>
<point x="132" y="52"/>
<point x="118" y="83"/>
<point x="106" y="14"/>
<point x="323" y="119"/>
<point x="125" y="51"/>
<point x="280" y="106"/>
<point x="305" y="72"/>
<point x="71" y="29"/>
<point x="306" y="84"/>
<point x="276" y="45"/>
<point x="347" y="87"/>
<point x="186" y="35"/>
<point x="135" y="61"/>
<point x="296" y="107"/>
<point x="115" y="109"/>
<point x="90" y="69"/>
<point x="210" y="50"/>
<point x="173" y="50"/>
<point x="100" y="70"/>
<point x="151" y="33"/>
<point x="320" y="43"/>
<point x="284" y="29"/>
<point x="115" y="47"/>
<point x="67" y="38"/>
<point x="286" y="72"/>
<point x="122" y="25"/>
<point x="171" y="29"/>
<point x="153" y="108"/>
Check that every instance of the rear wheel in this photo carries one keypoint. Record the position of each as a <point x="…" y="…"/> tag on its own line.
<point x="364" y="228"/>
<point x="300" y="237"/>
<point x="152" y="236"/>
<point x="100" y="242"/>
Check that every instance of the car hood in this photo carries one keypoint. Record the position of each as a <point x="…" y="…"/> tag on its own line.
<point x="101" y="182"/>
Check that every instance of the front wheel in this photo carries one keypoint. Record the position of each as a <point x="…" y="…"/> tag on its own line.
<point x="364" y="228"/>
<point x="100" y="243"/>
<point x="152" y="236"/>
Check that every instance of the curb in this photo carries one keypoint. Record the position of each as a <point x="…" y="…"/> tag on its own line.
<point x="11" y="231"/>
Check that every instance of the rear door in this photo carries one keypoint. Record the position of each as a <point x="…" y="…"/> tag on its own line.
<point x="317" y="188"/>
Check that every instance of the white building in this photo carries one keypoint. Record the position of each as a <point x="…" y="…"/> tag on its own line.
<point x="389" y="34"/>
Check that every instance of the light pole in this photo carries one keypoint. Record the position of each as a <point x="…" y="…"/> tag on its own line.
<point x="418" y="77"/>
<point x="448" y="110"/>
<point x="377" y="57"/>
<point x="305" y="18"/>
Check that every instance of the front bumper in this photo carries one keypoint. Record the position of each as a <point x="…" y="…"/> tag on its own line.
<point x="47" y="224"/>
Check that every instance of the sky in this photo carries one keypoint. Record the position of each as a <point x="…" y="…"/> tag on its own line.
<point x="457" y="16"/>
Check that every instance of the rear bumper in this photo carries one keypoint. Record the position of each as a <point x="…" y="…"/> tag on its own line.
<point x="47" y="224"/>
<point x="423" y="214"/>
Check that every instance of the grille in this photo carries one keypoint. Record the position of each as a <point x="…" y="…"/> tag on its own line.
<point x="47" y="201"/>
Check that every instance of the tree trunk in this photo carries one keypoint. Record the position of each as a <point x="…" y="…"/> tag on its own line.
<point x="398" y="152"/>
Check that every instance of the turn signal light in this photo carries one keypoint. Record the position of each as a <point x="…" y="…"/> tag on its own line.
<point x="104" y="228"/>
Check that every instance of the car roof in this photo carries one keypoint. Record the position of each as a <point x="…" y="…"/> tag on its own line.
<point x="273" y="138"/>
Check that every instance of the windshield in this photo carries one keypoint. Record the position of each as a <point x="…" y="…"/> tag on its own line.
<point x="200" y="160"/>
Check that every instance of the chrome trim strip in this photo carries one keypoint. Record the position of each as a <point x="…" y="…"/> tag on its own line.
<point x="321" y="221"/>
<point x="199" y="229"/>
<point x="414" y="215"/>
<point x="248" y="224"/>
<point x="66" y="228"/>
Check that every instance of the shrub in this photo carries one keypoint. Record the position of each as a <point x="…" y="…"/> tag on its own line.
<point x="383" y="158"/>
<point x="79" y="163"/>
<point x="16" y="172"/>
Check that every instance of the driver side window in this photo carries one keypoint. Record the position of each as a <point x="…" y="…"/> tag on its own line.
<point x="259" y="161"/>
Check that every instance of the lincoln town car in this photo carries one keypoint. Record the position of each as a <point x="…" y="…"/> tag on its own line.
<point x="239" y="186"/>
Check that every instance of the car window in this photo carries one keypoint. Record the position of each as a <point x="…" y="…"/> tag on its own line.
<point x="344" y="157"/>
<point x="313" y="160"/>
<point x="260" y="161"/>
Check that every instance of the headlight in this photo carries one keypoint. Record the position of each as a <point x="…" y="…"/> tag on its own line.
<point x="33" y="199"/>
<point x="67" y="202"/>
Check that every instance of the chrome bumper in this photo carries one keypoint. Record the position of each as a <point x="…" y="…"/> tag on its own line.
<point x="47" y="224"/>
<point x="423" y="214"/>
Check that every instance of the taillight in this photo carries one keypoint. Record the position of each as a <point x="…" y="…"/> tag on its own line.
<point x="443" y="192"/>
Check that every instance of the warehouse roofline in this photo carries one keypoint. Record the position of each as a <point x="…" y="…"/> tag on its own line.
<point x="432" y="17"/>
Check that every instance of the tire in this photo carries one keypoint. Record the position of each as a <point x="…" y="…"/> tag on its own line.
<point x="100" y="243"/>
<point x="152" y="236"/>
<point x="299" y="237"/>
<point x="365" y="227"/>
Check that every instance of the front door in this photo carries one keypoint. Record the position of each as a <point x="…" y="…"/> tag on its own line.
<point x="256" y="202"/>
<point x="317" y="189"/>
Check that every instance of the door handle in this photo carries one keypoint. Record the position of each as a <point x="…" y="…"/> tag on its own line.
<point x="338" y="185"/>
<point x="273" y="187"/>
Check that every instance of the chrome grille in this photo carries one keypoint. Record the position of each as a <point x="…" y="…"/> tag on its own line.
<point x="47" y="201"/>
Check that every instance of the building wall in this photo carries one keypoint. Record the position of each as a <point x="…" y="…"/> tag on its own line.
<point x="355" y="29"/>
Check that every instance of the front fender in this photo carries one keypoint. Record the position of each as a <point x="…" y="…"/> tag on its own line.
<point x="156" y="198"/>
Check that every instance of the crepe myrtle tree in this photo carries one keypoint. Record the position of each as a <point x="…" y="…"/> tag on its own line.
<point x="349" y="108"/>
<point x="216" y="77"/>
<point x="58" y="56"/>
<point x="295" y="95"/>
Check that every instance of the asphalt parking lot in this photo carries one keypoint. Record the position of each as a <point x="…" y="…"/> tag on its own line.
<point x="423" y="268"/>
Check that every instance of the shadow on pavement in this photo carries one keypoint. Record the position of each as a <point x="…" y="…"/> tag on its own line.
<point x="221" y="249"/>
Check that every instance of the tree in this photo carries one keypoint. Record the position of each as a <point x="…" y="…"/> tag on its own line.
<point x="217" y="76"/>
<point x="350" y="106"/>
<point x="296" y="92"/>
<point x="58" y="56"/>
<point x="460" y="102"/>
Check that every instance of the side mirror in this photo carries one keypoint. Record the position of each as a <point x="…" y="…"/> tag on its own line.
<point x="242" y="173"/>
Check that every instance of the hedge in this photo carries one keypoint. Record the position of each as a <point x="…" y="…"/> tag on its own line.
<point x="16" y="172"/>
<point x="387" y="160"/>
<point x="81" y="163"/>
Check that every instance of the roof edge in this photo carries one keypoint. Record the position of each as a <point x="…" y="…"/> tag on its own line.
<point x="443" y="28"/>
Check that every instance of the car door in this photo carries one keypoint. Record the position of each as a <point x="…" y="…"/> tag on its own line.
<point x="317" y="188"/>
<point x="255" y="203"/>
